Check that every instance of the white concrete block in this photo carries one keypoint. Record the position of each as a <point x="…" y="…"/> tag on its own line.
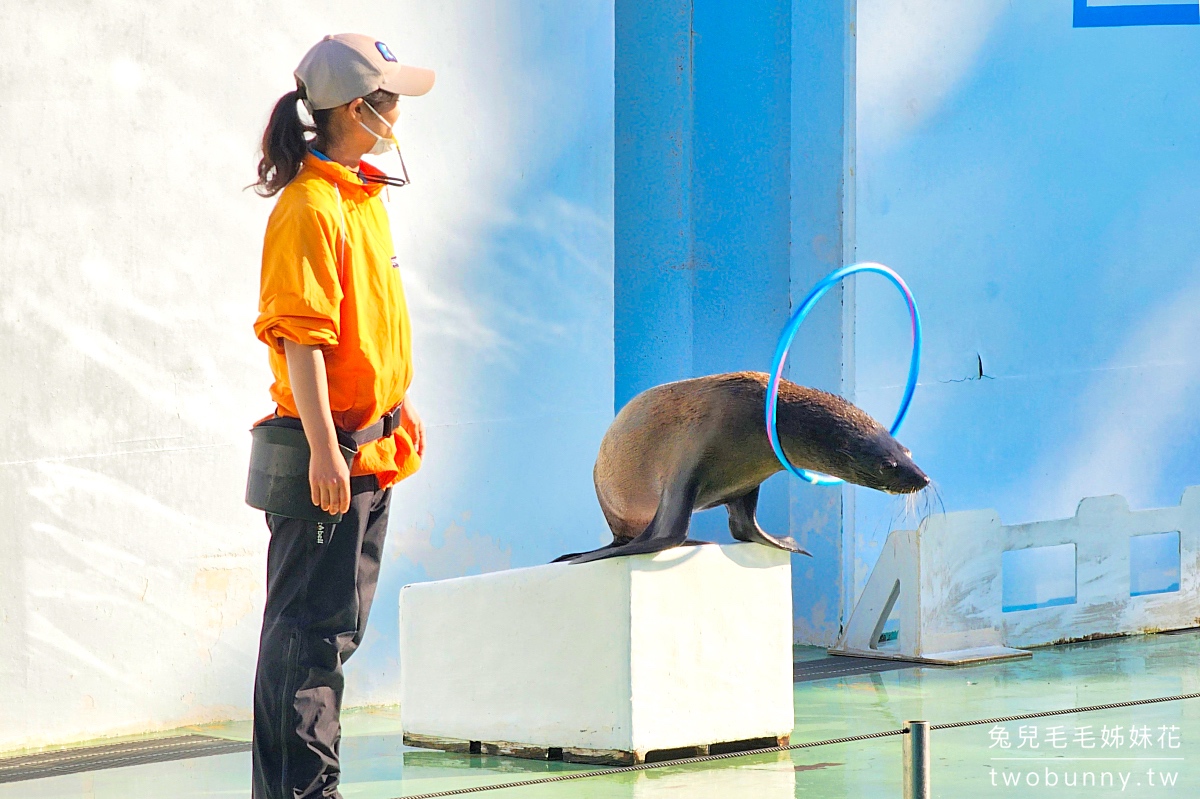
<point x="685" y="648"/>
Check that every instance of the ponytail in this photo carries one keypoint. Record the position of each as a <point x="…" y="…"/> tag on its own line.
<point x="285" y="143"/>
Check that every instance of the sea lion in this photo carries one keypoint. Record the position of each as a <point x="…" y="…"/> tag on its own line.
<point x="695" y="444"/>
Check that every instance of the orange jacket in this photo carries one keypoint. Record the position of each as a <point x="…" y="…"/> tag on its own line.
<point x="330" y="278"/>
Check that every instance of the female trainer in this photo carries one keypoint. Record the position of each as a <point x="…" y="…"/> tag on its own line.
<point x="333" y="314"/>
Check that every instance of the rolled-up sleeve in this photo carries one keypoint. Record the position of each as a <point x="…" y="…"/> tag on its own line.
<point x="300" y="296"/>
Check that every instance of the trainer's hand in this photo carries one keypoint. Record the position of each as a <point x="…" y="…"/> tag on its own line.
<point x="329" y="479"/>
<point x="412" y="421"/>
<point x="328" y="475"/>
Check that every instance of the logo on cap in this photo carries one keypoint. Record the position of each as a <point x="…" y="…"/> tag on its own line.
<point x="384" y="51"/>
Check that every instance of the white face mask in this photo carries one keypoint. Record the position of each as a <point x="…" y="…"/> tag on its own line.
<point x="382" y="143"/>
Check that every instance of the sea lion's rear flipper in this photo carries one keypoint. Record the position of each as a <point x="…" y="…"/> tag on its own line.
<point x="668" y="528"/>
<point x="744" y="526"/>
<point x="573" y="555"/>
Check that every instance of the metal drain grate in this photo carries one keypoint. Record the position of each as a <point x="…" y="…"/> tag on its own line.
<point x="94" y="758"/>
<point x="840" y="666"/>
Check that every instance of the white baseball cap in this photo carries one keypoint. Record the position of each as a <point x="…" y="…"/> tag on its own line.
<point x="341" y="67"/>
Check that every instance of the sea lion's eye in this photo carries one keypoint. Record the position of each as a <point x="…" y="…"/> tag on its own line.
<point x="889" y="463"/>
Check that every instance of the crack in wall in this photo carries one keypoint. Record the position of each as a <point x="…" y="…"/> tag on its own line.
<point x="979" y="375"/>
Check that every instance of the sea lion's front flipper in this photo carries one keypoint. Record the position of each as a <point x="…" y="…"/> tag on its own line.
<point x="668" y="528"/>
<point x="744" y="526"/>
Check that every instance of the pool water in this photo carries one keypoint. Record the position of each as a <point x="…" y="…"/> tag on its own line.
<point x="1141" y="751"/>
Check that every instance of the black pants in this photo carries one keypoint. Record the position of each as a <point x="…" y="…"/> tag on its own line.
<point x="320" y="582"/>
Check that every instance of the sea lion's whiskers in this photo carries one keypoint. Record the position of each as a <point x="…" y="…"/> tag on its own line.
<point x="927" y="498"/>
<point x="935" y="495"/>
<point x="899" y="512"/>
<point x="908" y="510"/>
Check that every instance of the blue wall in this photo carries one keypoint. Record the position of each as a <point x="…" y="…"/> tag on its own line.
<point x="1037" y="185"/>
<point x="1034" y="182"/>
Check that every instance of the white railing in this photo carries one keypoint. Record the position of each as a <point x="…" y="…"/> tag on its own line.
<point x="946" y="581"/>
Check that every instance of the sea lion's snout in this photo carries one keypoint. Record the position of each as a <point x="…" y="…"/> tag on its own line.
<point x="892" y="468"/>
<point x="903" y="476"/>
<point x="827" y="434"/>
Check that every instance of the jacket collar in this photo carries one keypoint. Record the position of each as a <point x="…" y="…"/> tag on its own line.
<point x="346" y="179"/>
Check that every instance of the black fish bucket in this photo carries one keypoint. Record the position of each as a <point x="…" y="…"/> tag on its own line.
<point x="278" y="481"/>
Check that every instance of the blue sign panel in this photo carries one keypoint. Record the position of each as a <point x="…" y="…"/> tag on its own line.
<point x="1088" y="16"/>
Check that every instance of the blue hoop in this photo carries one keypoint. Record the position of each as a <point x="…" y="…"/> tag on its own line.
<point x="785" y="343"/>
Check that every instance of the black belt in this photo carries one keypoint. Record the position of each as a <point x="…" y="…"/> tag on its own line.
<point x="364" y="484"/>
<point x="384" y="427"/>
<point x="278" y="479"/>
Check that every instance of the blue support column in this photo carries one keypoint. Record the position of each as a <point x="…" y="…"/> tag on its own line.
<point x="730" y="163"/>
<point x="822" y="138"/>
<point x="652" y="179"/>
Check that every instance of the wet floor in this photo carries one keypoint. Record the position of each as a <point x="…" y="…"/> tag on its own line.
<point x="1143" y="751"/>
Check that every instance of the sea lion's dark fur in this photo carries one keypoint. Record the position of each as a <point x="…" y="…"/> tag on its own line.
<point x="695" y="444"/>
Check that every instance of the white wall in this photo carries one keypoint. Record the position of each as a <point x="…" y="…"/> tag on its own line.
<point x="132" y="572"/>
